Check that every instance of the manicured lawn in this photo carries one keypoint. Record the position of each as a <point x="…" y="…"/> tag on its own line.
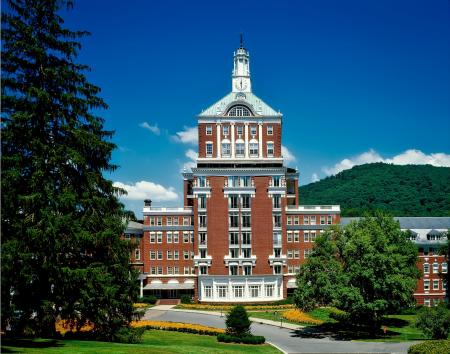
<point x="154" y="341"/>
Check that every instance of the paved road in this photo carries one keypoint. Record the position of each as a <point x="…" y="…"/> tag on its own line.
<point x="291" y="341"/>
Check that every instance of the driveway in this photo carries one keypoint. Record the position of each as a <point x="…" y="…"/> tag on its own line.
<point x="289" y="340"/>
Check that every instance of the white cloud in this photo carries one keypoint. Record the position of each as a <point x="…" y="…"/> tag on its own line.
<point x="314" y="178"/>
<point x="147" y="190"/>
<point x="153" y="128"/>
<point x="409" y="157"/>
<point x="287" y="155"/>
<point x="189" y="135"/>
<point x="192" y="155"/>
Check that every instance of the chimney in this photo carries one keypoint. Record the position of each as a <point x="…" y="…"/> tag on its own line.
<point x="147" y="202"/>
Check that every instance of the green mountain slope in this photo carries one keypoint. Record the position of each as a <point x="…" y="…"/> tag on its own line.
<point x="411" y="190"/>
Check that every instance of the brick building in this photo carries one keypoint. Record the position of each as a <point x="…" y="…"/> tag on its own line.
<point x="241" y="233"/>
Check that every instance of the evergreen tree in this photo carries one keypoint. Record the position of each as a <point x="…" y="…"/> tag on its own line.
<point x="237" y="322"/>
<point x="62" y="256"/>
<point x="367" y="269"/>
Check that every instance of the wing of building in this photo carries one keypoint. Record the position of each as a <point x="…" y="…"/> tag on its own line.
<point x="241" y="234"/>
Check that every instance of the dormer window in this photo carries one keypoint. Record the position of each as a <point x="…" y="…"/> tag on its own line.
<point x="239" y="111"/>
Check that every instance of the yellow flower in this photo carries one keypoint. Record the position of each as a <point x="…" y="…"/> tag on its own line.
<point x="175" y="326"/>
<point x="64" y="326"/>
<point x="299" y="316"/>
<point x="139" y="305"/>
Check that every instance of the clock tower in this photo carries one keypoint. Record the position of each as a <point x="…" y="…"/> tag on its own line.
<point x="241" y="70"/>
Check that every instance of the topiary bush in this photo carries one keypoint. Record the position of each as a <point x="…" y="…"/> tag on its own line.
<point x="249" y="339"/>
<point x="434" y="321"/>
<point x="186" y="299"/>
<point x="149" y="299"/>
<point x="237" y="322"/>
<point x="431" y="347"/>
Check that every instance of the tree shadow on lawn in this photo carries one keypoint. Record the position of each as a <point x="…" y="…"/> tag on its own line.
<point x="346" y="332"/>
<point x="29" y="343"/>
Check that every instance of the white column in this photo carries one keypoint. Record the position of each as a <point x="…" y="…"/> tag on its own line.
<point x="246" y="140"/>
<point x="260" y="140"/>
<point x="232" y="141"/>
<point x="141" y="288"/>
<point x="219" y="141"/>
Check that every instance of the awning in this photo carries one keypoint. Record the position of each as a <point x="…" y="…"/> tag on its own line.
<point x="168" y="286"/>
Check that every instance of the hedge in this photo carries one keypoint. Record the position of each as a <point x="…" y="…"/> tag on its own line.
<point x="431" y="347"/>
<point x="178" y="327"/>
<point x="225" y="338"/>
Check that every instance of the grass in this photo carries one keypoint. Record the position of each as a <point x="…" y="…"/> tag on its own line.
<point x="154" y="341"/>
<point x="320" y="314"/>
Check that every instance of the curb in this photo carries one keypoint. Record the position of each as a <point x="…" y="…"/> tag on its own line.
<point x="277" y="347"/>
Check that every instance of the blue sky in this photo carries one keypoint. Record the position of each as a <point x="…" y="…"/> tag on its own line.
<point x="357" y="81"/>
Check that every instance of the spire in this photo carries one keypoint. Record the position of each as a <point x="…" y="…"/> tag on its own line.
<point x="242" y="41"/>
<point x="241" y="69"/>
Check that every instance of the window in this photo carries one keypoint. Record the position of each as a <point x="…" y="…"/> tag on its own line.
<point x="186" y="255"/>
<point x="234" y="238"/>
<point x="426" y="285"/>
<point x="277" y="269"/>
<point x="203" y="270"/>
<point x="296" y="236"/>
<point x="208" y="291"/>
<point x="234" y="253"/>
<point x="202" y="201"/>
<point x="233" y="270"/>
<point x="247" y="270"/>
<point x="137" y="254"/>
<point x="296" y="220"/>
<point x="240" y="149"/>
<point x="246" y="238"/>
<point x="305" y="236"/>
<point x="329" y="220"/>
<point x="238" y="290"/>
<point x="152" y="255"/>
<point x="246" y="219"/>
<point x="152" y="237"/>
<point x="312" y="236"/>
<point x="185" y="237"/>
<point x="276" y="201"/>
<point x="209" y="149"/>
<point x="270" y="130"/>
<point x="276" y="181"/>
<point x="202" y="238"/>
<point x="427" y="302"/>
<point x="152" y="221"/>
<point x="239" y="129"/>
<point x="269" y="290"/>
<point x="159" y="221"/>
<point x="160" y="255"/>
<point x="239" y="111"/>
<point x="209" y="130"/>
<point x="277" y="238"/>
<point x="246" y="252"/>
<point x="253" y="130"/>
<point x="176" y="255"/>
<point x="175" y="221"/>
<point x="153" y="270"/>
<point x="169" y="221"/>
<point x="222" y="291"/>
<point x="160" y="270"/>
<point x="277" y="252"/>
<point x="201" y="181"/>
<point x="175" y="237"/>
<point x="159" y="237"/>
<point x="246" y="202"/>
<point x="202" y="220"/>
<point x="322" y="220"/>
<point x="226" y="149"/>
<point x="169" y="270"/>
<point x="186" y="221"/>
<point x="276" y="220"/>
<point x="226" y="130"/>
<point x="435" y="268"/>
<point x="290" y="254"/>
<point x="444" y="267"/>
<point x="253" y="147"/>
<point x="169" y="237"/>
<point x="245" y="181"/>
<point x="233" y="201"/>
<point x="312" y="220"/>
<point x="186" y="270"/>
<point x="289" y="220"/>
<point x="127" y="237"/>
<point x="289" y="236"/>
<point x="234" y="219"/>
<point x="296" y="254"/>
<point x="269" y="149"/>
<point x="305" y="220"/>
<point x="306" y="253"/>
<point x="169" y="255"/>
<point x="254" y="290"/>
<point x="436" y="284"/>
<point x="426" y="268"/>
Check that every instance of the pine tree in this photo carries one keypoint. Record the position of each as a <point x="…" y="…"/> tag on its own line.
<point x="62" y="256"/>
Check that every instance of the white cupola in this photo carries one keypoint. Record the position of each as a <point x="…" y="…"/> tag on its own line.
<point x="241" y="70"/>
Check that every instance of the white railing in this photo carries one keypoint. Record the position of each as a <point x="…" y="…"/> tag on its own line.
<point x="186" y="209"/>
<point x="305" y="208"/>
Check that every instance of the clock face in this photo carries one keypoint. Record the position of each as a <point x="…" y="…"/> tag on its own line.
<point x="241" y="84"/>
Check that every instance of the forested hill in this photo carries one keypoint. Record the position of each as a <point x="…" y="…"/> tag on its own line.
<point x="411" y="190"/>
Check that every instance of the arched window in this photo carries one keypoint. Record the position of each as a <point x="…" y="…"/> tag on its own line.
<point x="239" y="111"/>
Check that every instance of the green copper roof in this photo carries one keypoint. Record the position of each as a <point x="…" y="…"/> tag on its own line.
<point x="258" y="106"/>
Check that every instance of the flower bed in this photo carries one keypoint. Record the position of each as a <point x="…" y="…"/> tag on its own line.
<point x="295" y="315"/>
<point x="178" y="327"/>
<point x="140" y="305"/>
<point x="228" y="307"/>
<point x="64" y="326"/>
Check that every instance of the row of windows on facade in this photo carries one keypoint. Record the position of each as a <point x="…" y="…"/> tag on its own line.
<point x="172" y="237"/>
<point x="172" y="270"/>
<point x="170" y="221"/>
<point x="443" y="268"/>
<point x="240" y="291"/>
<point x="239" y="128"/>
<point x="238" y="181"/>
<point x="436" y="284"/>
<point x="253" y="149"/>
<point x="427" y="302"/>
<point x="430" y="237"/>
<point x="171" y="255"/>
<point x="309" y="220"/>
<point x="429" y="251"/>
<point x="237" y="270"/>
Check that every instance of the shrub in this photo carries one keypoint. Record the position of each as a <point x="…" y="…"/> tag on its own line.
<point x="225" y="338"/>
<point x="131" y="335"/>
<point x="434" y="321"/>
<point x="338" y="315"/>
<point x="237" y="322"/>
<point x="186" y="299"/>
<point x="150" y="299"/>
<point x="431" y="347"/>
